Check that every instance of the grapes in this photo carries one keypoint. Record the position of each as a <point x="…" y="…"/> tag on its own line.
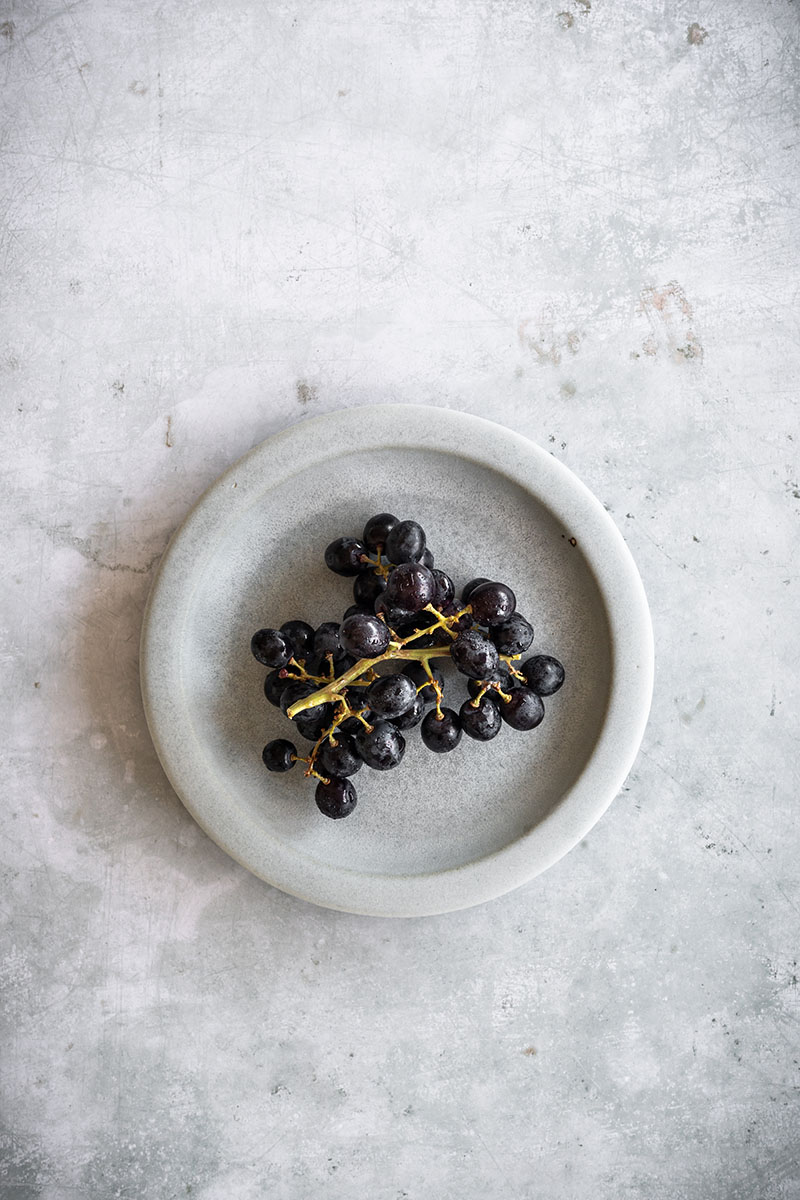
<point x="513" y="636"/>
<point x="377" y="530"/>
<point x="492" y="603"/>
<point x="391" y="695"/>
<point x="364" y="636"/>
<point x="272" y="648"/>
<point x="405" y="543"/>
<point x="544" y="674"/>
<point x="481" y="721"/>
<point x="474" y="655"/>
<point x="337" y="798"/>
<point x="345" y="555"/>
<point x="279" y="755"/>
<point x="441" y="733"/>
<point x="354" y="688"/>
<point x="381" y="747"/>
<point x="523" y="709"/>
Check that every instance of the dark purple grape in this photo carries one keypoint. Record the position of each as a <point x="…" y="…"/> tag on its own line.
<point x="279" y="755"/>
<point x="544" y="674"/>
<point x="420" y="678"/>
<point x="352" y="609"/>
<point x="441" y="734"/>
<point x="311" y="723"/>
<point x="274" y="686"/>
<point x="272" y="648"/>
<point x="412" y="716"/>
<point x="352" y="725"/>
<point x="469" y="588"/>
<point x="410" y="586"/>
<point x="445" y="590"/>
<point x="395" y="617"/>
<point x="382" y="747"/>
<point x="513" y="636"/>
<point x="523" y="709"/>
<point x="342" y="759"/>
<point x="391" y="695"/>
<point x="377" y="530"/>
<point x="294" y="691"/>
<point x="426" y="559"/>
<point x="367" y="588"/>
<point x="364" y="636"/>
<point x="301" y="635"/>
<point x="502" y="676"/>
<point x="481" y="721"/>
<point x="336" y="799"/>
<point x="492" y="603"/>
<point x="344" y="555"/>
<point x="326" y="639"/>
<point x="474" y="655"/>
<point x="405" y="543"/>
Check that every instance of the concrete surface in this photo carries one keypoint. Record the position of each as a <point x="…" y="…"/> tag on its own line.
<point x="578" y="219"/>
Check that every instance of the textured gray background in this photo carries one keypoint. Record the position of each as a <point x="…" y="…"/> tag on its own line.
<point x="578" y="219"/>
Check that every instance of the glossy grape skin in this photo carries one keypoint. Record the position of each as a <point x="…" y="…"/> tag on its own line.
<point x="377" y="530"/>
<point x="426" y="559"/>
<point x="364" y="636"/>
<point x="482" y="721"/>
<point x="492" y="603"/>
<point x="343" y="556"/>
<point x="395" y="618"/>
<point x="274" y="687"/>
<point x="382" y="747"/>
<point x="367" y="588"/>
<point x="341" y="760"/>
<point x="301" y="635"/>
<point x="311" y="723"/>
<point x="326" y="639"/>
<point x="271" y="648"/>
<point x="294" y="691"/>
<point x="391" y="695"/>
<point x="420" y="678"/>
<point x="441" y="734"/>
<point x="405" y="543"/>
<point x="279" y="755"/>
<point x="502" y="676"/>
<point x="514" y="636"/>
<point x="474" y="655"/>
<point x="410" y="586"/>
<point x="412" y="716"/>
<point x="469" y="588"/>
<point x="352" y="609"/>
<point x="352" y="726"/>
<point x="523" y="709"/>
<point x="544" y="674"/>
<point x="444" y="590"/>
<point x="335" y="799"/>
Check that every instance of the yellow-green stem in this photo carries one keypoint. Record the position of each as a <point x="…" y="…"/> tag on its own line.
<point x="333" y="691"/>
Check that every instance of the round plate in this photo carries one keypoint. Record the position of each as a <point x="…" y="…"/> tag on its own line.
<point x="440" y="832"/>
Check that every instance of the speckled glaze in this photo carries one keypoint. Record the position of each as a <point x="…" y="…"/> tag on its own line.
<point x="440" y="832"/>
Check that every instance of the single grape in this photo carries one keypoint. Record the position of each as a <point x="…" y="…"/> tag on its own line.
<point x="344" y="555"/>
<point x="412" y="716"/>
<point x="502" y="676"/>
<point x="405" y="543"/>
<point x="395" y="617"/>
<point x="513" y="636"/>
<point x="441" y="734"/>
<point x="420" y="678"/>
<point x="352" y="609"/>
<point x="492" y="603"/>
<point x="391" y="695"/>
<point x="352" y="725"/>
<point x="311" y="723"/>
<point x="274" y="686"/>
<point x="367" y="588"/>
<point x="445" y="590"/>
<point x="544" y="674"/>
<point x="410" y="586"/>
<point x="377" y="530"/>
<point x="279" y="755"/>
<point x="474" y="655"/>
<point x="326" y="639"/>
<point x="523" y="709"/>
<point x="294" y="691"/>
<point x="481" y="721"/>
<point x="426" y="559"/>
<point x="301" y="635"/>
<point x="336" y="799"/>
<point x="364" y="636"/>
<point x="469" y="588"/>
<point x="272" y="648"/>
<point x="382" y="747"/>
<point x="342" y="759"/>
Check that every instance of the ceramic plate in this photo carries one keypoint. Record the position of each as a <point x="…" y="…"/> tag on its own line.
<point x="440" y="832"/>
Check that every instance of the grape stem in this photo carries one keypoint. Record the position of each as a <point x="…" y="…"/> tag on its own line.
<point x="331" y="693"/>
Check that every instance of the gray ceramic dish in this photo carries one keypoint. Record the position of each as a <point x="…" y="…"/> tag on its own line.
<point x="440" y="832"/>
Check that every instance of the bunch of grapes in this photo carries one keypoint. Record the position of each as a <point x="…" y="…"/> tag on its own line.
<point x="405" y="612"/>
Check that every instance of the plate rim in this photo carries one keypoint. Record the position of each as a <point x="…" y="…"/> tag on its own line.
<point x="503" y="450"/>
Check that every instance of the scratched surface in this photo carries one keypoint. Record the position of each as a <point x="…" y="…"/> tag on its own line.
<point x="578" y="219"/>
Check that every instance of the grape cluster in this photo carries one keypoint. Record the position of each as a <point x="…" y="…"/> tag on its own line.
<point x="404" y="612"/>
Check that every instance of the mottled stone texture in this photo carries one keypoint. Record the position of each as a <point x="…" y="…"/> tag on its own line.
<point x="578" y="219"/>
